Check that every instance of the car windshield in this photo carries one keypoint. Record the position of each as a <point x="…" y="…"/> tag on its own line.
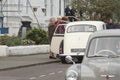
<point x="104" y="46"/>
<point x="81" y="28"/>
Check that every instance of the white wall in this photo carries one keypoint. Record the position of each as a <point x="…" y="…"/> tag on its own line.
<point x="42" y="18"/>
<point x="13" y="31"/>
<point x="23" y="50"/>
<point x="26" y="50"/>
<point x="51" y="5"/>
<point x="3" y="50"/>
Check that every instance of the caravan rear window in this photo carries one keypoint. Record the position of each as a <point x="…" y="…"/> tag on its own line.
<point x="60" y="29"/>
<point x="81" y="28"/>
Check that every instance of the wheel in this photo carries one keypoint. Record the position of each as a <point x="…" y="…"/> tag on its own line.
<point x="63" y="60"/>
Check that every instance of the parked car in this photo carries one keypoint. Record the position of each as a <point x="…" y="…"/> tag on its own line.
<point x="101" y="60"/>
<point x="57" y="38"/>
<point x="76" y="37"/>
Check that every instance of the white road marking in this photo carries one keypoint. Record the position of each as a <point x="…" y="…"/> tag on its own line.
<point x="51" y="73"/>
<point x="32" y="78"/>
<point x="42" y="75"/>
<point x="60" y="71"/>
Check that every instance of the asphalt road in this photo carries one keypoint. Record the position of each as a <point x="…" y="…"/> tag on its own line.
<point x="54" y="71"/>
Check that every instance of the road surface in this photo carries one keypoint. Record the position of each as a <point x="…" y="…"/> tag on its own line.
<point x="54" y="71"/>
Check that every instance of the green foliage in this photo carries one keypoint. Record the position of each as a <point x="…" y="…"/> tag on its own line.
<point x="97" y="9"/>
<point x="10" y="41"/>
<point x="14" y="41"/>
<point x="38" y="35"/>
<point x="28" y="42"/>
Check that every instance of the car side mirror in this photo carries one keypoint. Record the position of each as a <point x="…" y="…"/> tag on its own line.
<point x="69" y="59"/>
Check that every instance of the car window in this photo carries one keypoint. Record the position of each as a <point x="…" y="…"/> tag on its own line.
<point x="60" y="29"/>
<point x="104" y="46"/>
<point x="81" y="28"/>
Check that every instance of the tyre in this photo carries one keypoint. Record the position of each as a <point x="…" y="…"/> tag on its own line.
<point x="63" y="60"/>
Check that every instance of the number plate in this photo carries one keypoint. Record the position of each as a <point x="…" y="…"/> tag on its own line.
<point x="77" y="50"/>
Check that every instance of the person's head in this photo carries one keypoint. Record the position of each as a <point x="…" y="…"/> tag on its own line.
<point x="110" y="20"/>
<point x="59" y="18"/>
<point x="52" y="20"/>
<point x="65" y="18"/>
<point x="78" y="18"/>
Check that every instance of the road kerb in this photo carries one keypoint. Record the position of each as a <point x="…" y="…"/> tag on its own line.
<point x="28" y="65"/>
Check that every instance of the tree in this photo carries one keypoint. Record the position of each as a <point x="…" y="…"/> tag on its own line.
<point x="97" y="9"/>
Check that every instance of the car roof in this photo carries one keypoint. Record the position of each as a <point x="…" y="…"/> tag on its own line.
<point x="96" y="23"/>
<point x="106" y="33"/>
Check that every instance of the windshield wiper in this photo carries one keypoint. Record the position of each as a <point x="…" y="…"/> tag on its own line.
<point x="109" y="56"/>
<point x="113" y="56"/>
<point x="96" y="55"/>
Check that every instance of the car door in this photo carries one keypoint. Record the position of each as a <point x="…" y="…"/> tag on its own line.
<point x="57" y="38"/>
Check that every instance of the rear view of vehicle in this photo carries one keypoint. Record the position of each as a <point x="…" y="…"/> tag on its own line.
<point x="76" y="37"/>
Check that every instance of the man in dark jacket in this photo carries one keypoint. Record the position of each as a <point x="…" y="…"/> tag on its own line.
<point x="110" y="24"/>
<point x="67" y="11"/>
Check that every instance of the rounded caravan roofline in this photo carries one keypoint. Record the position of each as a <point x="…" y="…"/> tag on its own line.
<point x="86" y="22"/>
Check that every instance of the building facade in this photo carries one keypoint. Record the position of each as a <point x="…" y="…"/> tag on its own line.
<point x="37" y="11"/>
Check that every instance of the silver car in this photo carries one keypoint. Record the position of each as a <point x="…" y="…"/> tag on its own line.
<point x="101" y="60"/>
